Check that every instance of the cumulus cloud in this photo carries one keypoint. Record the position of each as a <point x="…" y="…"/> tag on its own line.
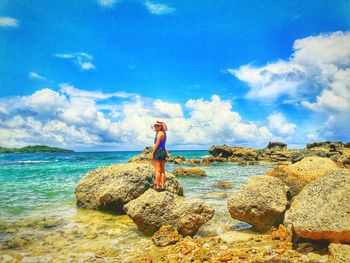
<point x="74" y="117"/>
<point x="273" y="80"/>
<point x="315" y="77"/>
<point x="8" y="22"/>
<point x="314" y="60"/>
<point x="278" y="123"/>
<point x="159" y="9"/>
<point x="81" y="59"/>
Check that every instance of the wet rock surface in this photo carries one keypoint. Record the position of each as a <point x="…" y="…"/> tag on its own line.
<point x="189" y="171"/>
<point x="215" y="250"/>
<point x="165" y="236"/>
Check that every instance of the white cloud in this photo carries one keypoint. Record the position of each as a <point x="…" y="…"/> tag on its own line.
<point x="73" y="117"/>
<point x="97" y="95"/>
<point x="34" y="75"/>
<point x="315" y="77"/>
<point x="310" y="69"/>
<point x="81" y="59"/>
<point x="159" y="9"/>
<point x="279" y="124"/>
<point x="8" y="22"/>
<point x="107" y="3"/>
<point x="273" y="80"/>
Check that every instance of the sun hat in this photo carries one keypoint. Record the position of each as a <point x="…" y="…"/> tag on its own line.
<point x="161" y="123"/>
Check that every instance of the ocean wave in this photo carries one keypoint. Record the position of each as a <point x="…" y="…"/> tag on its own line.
<point x="25" y="162"/>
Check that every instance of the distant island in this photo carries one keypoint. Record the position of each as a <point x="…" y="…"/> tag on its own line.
<point x="33" y="149"/>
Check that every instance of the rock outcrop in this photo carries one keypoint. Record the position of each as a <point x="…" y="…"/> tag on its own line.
<point x="145" y="155"/>
<point x="322" y="209"/>
<point x="261" y="202"/>
<point x="110" y="187"/>
<point x="278" y="145"/>
<point x="153" y="209"/>
<point x="189" y="171"/>
<point x="234" y="153"/>
<point x="299" y="174"/>
<point x="278" y="152"/>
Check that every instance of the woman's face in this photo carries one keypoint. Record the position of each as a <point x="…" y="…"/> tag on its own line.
<point x="157" y="127"/>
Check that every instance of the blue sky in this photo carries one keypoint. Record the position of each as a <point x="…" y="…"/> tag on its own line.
<point x="235" y="72"/>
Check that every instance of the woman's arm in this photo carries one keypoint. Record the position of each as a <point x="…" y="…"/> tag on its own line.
<point x="160" y="136"/>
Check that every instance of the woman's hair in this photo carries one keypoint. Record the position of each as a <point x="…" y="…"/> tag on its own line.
<point x="163" y="126"/>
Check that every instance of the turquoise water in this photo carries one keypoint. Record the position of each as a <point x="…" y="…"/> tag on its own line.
<point x="43" y="182"/>
<point x="39" y="217"/>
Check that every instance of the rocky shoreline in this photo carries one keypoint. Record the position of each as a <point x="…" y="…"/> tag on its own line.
<point x="338" y="152"/>
<point x="298" y="210"/>
<point x="303" y="199"/>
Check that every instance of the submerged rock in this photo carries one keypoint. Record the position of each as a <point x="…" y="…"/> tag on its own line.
<point x="189" y="171"/>
<point x="193" y="162"/>
<point x="321" y="210"/>
<point x="261" y="202"/>
<point x="210" y="159"/>
<point x="153" y="209"/>
<point x="110" y="187"/>
<point x="225" y="185"/>
<point x="217" y="195"/>
<point x="299" y="174"/>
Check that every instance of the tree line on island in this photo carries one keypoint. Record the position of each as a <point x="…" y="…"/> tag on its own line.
<point x="33" y="149"/>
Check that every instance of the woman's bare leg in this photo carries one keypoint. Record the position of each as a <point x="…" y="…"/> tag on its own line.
<point x="157" y="167"/>
<point x="162" y="174"/>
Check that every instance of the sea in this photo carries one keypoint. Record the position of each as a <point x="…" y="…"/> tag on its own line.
<point x="40" y="222"/>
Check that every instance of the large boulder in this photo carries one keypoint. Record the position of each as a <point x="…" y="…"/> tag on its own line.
<point x="189" y="171"/>
<point x="299" y="174"/>
<point x="322" y="209"/>
<point x="110" y="187"/>
<point x="153" y="209"/>
<point x="261" y="202"/>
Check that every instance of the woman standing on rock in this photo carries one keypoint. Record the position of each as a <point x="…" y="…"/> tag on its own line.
<point x="159" y="154"/>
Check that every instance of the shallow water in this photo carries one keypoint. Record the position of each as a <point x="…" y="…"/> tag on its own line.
<point x="37" y="188"/>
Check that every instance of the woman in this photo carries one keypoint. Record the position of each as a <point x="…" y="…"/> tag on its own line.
<point x="159" y="154"/>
